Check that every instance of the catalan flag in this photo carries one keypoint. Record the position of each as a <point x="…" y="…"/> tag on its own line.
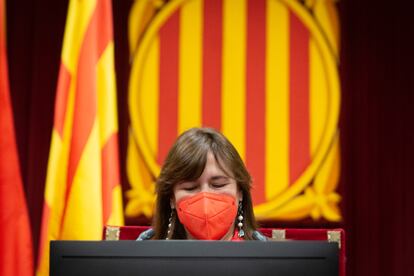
<point x="264" y="73"/>
<point x="16" y="256"/>
<point x="140" y="17"/>
<point x="83" y="191"/>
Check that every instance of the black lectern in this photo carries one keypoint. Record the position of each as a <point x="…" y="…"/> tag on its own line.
<point x="200" y="258"/>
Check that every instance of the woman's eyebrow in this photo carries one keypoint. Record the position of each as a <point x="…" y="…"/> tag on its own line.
<point x="218" y="177"/>
<point x="188" y="182"/>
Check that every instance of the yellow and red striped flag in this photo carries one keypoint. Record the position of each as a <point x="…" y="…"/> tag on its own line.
<point x="16" y="256"/>
<point x="264" y="73"/>
<point x="83" y="191"/>
<point x="141" y="199"/>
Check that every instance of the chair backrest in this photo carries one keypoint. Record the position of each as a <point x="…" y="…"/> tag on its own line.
<point x="278" y="234"/>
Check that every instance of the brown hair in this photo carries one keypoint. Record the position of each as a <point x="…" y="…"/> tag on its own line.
<point x="186" y="161"/>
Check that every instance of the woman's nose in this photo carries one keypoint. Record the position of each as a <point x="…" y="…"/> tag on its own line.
<point x="205" y="187"/>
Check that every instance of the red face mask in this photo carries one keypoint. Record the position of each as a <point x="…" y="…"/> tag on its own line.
<point x="207" y="216"/>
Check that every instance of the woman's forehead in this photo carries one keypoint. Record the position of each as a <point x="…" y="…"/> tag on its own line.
<point x="217" y="165"/>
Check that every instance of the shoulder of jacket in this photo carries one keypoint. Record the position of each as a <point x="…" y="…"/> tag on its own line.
<point x="146" y="235"/>
<point x="257" y="235"/>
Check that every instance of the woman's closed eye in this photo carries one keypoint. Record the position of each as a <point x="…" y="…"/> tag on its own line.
<point x="218" y="182"/>
<point x="190" y="188"/>
<point x="219" y="185"/>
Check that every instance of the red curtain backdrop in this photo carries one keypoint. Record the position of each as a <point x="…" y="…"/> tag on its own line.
<point x="377" y="133"/>
<point x="377" y="130"/>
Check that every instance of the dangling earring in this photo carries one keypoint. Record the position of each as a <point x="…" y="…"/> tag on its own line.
<point x="240" y="219"/>
<point x="170" y="224"/>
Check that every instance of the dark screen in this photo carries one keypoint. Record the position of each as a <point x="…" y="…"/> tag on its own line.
<point x="178" y="258"/>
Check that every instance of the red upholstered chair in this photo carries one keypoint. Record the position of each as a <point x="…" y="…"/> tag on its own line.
<point x="277" y="234"/>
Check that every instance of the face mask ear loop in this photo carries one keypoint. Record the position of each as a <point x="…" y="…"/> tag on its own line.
<point x="240" y="220"/>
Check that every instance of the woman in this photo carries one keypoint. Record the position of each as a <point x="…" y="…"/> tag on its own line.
<point x="203" y="191"/>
